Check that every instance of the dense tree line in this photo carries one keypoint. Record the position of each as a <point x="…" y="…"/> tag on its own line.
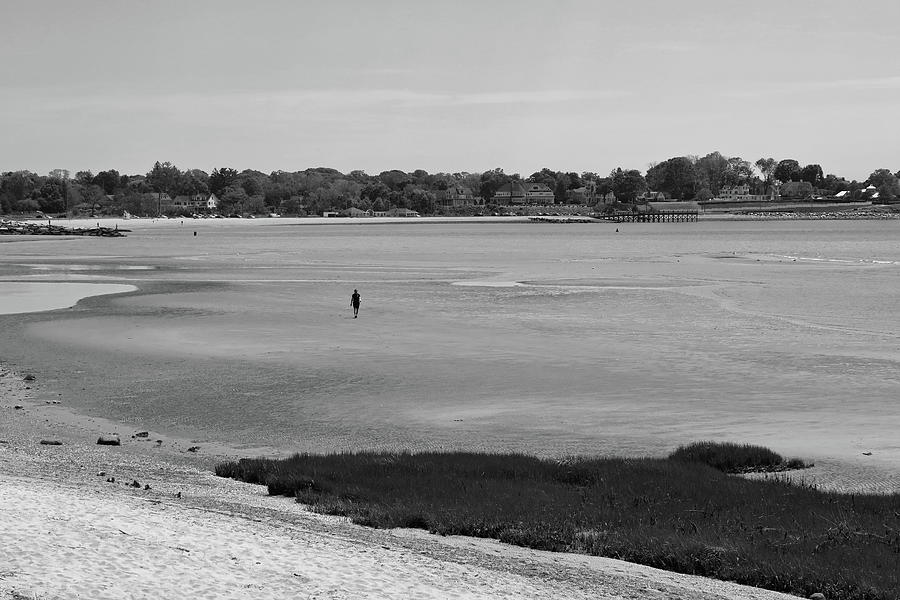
<point x="313" y="191"/>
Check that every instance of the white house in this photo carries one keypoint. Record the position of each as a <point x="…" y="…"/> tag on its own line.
<point x="205" y="202"/>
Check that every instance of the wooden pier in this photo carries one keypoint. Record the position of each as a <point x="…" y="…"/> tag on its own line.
<point x="679" y="216"/>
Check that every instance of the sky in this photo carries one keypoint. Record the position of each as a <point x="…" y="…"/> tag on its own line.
<point x="571" y="85"/>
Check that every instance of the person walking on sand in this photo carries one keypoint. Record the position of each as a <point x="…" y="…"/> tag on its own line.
<point x="354" y="302"/>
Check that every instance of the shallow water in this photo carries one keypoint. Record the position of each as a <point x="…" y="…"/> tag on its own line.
<point x="18" y="297"/>
<point x="546" y="338"/>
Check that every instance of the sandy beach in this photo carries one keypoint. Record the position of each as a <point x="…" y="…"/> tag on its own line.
<point x="148" y="519"/>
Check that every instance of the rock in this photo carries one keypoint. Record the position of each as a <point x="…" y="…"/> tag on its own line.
<point x="142" y="434"/>
<point x="101" y="473"/>
<point x="193" y="449"/>
<point x="134" y="484"/>
<point x="147" y="486"/>
<point x="109" y="440"/>
<point x="51" y="442"/>
<point x="28" y="377"/>
<point x="18" y="407"/>
<point x="111" y="480"/>
<point x="817" y="596"/>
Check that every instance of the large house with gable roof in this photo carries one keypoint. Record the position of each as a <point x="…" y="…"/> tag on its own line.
<point x="195" y="202"/>
<point x="457" y="196"/>
<point x="524" y="192"/>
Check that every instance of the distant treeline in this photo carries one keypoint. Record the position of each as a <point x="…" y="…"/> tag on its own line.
<point x="316" y="190"/>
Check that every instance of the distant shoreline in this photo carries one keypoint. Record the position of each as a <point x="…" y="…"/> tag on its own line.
<point x="860" y="214"/>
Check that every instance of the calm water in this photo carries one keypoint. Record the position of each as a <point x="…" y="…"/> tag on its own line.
<point x="553" y="339"/>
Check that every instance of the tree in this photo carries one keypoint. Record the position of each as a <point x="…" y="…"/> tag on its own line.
<point x="420" y="201"/>
<point x="712" y="171"/>
<point x="887" y="183"/>
<point x="233" y="200"/>
<point x="93" y="196"/>
<point x="51" y="196"/>
<point x="192" y="181"/>
<point x="627" y="185"/>
<point x="796" y="190"/>
<point x="108" y="180"/>
<point x="491" y="181"/>
<point x="162" y="178"/>
<point x="396" y="180"/>
<point x="767" y="166"/>
<point x="834" y="184"/>
<point x="676" y="176"/>
<point x="787" y="170"/>
<point x="812" y="174"/>
<point x="546" y="176"/>
<point x="738" y="172"/>
<point x="84" y="178"/>
<point x="220" y="179"/>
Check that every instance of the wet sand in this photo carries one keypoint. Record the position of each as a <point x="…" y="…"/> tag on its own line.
<point x="149" y="519"/>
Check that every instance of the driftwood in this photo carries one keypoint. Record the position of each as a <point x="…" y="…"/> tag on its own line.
<point x="20" y="228"/>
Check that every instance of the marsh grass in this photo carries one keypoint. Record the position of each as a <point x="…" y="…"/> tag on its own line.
<point x="678" y="515"/>
<point x="736" y="458"/>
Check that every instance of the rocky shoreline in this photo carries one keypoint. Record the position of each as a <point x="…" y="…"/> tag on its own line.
<point x="861" y="214"/>
<point x="30" y="228"/>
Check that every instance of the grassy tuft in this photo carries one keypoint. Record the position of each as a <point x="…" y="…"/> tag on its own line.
<point x="736" y="458"/>
<point x="679" y="515"/>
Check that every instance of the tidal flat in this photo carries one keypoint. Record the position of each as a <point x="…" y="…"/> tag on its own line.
<point x="547" y="339"/>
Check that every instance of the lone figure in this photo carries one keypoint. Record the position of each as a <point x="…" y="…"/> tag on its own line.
<point x="354" y="302"/>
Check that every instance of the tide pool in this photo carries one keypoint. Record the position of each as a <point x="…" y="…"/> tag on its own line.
<point x="18" y="297"/>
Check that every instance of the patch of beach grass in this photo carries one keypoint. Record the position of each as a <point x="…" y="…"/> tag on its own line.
<point x="679" y="515"/>
<point x="729" y="457"/>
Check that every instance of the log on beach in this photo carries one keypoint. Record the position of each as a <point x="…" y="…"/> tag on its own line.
<point x="20" y="228"/>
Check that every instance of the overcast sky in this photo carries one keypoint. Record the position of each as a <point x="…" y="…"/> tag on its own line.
<point x="447" y="86"/>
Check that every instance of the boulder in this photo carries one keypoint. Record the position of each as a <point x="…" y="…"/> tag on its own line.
<point x="51" y="442"/>
<point x="142" y="434"/>
<point x="817" y="596"/>
<point x="109" y="440"/>
<point x="28" y="377"/>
